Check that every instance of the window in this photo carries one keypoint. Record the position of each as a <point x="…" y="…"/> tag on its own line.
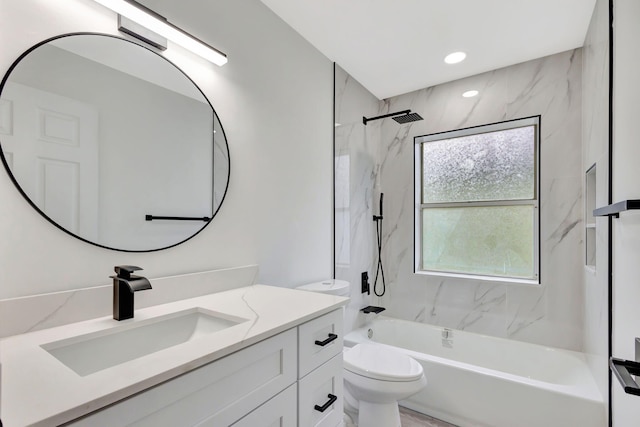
<point x="477" y="202"/>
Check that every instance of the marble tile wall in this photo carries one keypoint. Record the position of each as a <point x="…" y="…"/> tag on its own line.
<point x="549" y="314"/>
<point x="595" y="128"/>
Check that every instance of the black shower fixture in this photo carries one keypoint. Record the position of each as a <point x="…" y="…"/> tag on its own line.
<point x="404" y="116"/>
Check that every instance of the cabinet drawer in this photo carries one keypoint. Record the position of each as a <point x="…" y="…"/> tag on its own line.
<point x="314" y="390"/>
<point x="229" y="388"/>
<point x="316" y="342"/>
<point x="281" y="411"/>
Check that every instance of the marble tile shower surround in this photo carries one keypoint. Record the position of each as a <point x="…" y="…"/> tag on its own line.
<point x="595" y="128"/>
<point x="549" y="314"/>
<point x="32" y="313"/>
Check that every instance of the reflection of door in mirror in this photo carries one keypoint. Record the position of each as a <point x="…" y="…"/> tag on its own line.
<point x="53" y="146"/>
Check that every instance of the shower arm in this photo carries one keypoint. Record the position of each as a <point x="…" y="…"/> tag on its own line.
<point x="384" y="116"/>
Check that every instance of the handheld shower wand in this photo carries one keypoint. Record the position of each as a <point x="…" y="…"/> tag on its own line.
<point x="378" y="220"/>
<point x="379" y="217"/>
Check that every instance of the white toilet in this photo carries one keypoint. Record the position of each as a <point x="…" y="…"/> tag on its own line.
<point x="375" y="377"/>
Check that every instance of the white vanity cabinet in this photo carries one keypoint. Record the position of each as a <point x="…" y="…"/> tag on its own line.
<point x="219" y="393"/>
<point x="278" y="381"/>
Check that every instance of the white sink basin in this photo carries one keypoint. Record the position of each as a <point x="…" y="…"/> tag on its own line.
<point x="93" y="352"/>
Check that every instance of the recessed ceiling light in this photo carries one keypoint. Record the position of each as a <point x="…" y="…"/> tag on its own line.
<point x="455" y="57"/>
<point x="470" y="93"/>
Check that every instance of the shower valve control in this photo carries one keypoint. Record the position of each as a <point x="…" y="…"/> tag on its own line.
<point x="365" y="283"/>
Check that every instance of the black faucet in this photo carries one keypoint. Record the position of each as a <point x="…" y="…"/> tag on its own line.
<point x="124" y="285"/>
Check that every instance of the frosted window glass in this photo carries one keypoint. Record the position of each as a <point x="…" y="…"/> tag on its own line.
<point x="488" y="166"/>
<point x="488" y="240"/>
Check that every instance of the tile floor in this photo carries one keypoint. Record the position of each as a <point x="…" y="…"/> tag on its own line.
<point x="410" y="418"/>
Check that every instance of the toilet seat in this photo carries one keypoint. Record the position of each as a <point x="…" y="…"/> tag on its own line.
<point x="380" y="363"/>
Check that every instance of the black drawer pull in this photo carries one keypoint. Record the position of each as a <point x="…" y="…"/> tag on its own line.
<point x="332" y="337"/>
<point x="332" y="399"/>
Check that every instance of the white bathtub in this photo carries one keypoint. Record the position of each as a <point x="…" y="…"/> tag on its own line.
<point x="478" y="380"/>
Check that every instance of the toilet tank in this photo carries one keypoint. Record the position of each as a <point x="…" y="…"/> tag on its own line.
<point x="331" y="287"/>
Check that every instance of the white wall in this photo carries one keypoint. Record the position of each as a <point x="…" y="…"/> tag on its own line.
<point x="274" y="99"/>
<point x="626" y="185"/>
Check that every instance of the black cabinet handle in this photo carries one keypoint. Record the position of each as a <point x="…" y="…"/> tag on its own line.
<point x="332" y="399"/>
<point x="332" y="337"/>
<point x="623" y="369"/>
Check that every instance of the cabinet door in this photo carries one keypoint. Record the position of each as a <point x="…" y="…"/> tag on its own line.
<point x="316" y="390"/>
<point x="281" y="411"/>
<point x="318" y="341"/>
<point x="229" y="388"/>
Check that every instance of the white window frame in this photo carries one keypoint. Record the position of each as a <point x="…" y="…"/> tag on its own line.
<point x="419" y="206"/>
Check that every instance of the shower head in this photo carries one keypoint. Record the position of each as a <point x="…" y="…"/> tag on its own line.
<point x="408" y="118"/>
<point x="404" y="116"/>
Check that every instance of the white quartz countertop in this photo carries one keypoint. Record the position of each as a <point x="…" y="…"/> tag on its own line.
<point x="37" y="389"/>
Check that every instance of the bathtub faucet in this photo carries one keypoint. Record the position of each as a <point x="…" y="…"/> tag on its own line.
<point x="372" y="309"/>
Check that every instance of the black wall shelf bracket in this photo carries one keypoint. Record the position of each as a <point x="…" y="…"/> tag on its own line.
<point x="623" y="369"/>
<point x="176" y="218"/>
<point x="615" y="209"/>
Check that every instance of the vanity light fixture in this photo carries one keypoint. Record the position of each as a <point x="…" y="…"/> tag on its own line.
<point x="154" y="22"/>
<point x="470" y="93"/>
<point x="455" y="57"/>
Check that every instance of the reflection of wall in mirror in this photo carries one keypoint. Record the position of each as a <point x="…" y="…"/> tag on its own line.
<point x="221" y="164"/>
<point x="155" y="148"/>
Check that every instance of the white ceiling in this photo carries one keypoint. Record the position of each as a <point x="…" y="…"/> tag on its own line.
<point x="397" y="46"/>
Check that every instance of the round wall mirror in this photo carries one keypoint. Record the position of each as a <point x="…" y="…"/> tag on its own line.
<point x="112" y="143"/>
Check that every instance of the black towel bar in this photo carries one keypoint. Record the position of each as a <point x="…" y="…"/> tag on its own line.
<point x="615" y="209"/>
<point x="177" y="218"/>
<point x="623" y="369"/>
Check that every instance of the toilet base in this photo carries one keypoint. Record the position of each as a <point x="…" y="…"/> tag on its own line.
<point x="378" y="414"/>
<point x="347" y="421"/>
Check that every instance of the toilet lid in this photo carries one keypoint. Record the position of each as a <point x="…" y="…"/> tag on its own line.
<point x="381" y="363"/>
